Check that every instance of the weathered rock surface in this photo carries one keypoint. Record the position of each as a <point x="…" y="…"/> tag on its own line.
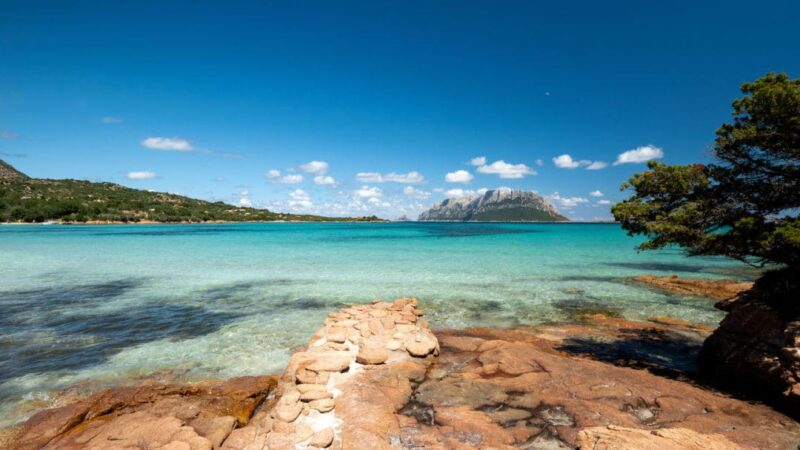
<point x="716" y="289"/>
<point x="393" y="384"/>
<point x="344" y="390"/>
<point x="495" y="205"/>
<point x="519" y="389"/>
<point x="756" y="348"/>
<point x="198" y="416"/>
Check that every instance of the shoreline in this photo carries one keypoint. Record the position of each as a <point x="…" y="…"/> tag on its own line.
<point x="502" y="398"/>
<point x="217" y="222"/>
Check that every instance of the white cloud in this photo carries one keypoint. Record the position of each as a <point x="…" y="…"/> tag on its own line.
<point x="639" y="155"/>
<point x="412" y="177"/>
<point x="324" y="180"/>
<point x="5" y="134"/>
<point x="316" y="167"/>
<point x="300" y="199"/>
<point x="506" y="170"/>
<point x="244" y="199"/>
<point x="567" y="202"/>
<point x="604" y="202"/>
<point x="478" y="161"/>
<point x="274" y="176"/>
<point x="416" y="193"/>
<point x="368" y="192"/>
<point x="167" y="144"/>
<point x="597" y="165"/>
<point x="458" y="192"/>
<point x="539" y="162"/>
<point x="566" y="161"/>
<point x="140" y="175"/>
<point x="459" y="176"/>
<point x="596" y="194"/>
<point x="108" y="120"/>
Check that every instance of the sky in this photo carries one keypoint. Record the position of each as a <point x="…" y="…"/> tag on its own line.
<point x="357" y="108"/>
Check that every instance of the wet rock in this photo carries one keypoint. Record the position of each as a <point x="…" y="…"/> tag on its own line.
<point x="716" y="289"/>
<point x="475" y="394"/>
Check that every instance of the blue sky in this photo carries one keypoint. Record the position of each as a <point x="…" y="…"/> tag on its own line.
<point x="352" y="108"/>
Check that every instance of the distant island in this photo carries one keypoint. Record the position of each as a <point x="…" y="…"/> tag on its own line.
<point x="29" y="200"/>
<point x="497" y="205"/>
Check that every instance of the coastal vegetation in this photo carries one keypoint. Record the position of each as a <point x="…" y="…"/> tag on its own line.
<point x="29" y="200"/>
<point x="745" y="206"/>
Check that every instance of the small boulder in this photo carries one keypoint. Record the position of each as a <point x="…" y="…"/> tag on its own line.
<point x="322" y="438"/>
<point x="372" y="355"/>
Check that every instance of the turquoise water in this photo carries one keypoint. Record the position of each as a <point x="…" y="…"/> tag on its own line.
<point x="102" y="305"/>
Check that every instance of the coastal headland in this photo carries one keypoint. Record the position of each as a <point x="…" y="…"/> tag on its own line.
<point x="375" y="376"/>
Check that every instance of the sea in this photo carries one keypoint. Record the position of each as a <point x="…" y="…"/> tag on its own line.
<point x="85" y="307"/>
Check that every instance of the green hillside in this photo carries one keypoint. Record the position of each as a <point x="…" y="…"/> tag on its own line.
<point x="24" y="199"/>
<point x="520" y="214"/>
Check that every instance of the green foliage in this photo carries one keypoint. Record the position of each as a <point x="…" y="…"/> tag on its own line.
<point x="744" y="205"/>
<point x="33" y="200"/>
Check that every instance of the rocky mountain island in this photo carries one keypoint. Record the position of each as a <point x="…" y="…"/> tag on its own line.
<point x="496" y="205"/>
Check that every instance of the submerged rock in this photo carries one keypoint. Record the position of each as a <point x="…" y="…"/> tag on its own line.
<point x="716" y="289"/>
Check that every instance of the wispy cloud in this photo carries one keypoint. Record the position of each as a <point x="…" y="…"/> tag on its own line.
<point x="177" y="144"/>
<point x="459" y="176"/>
<point x="506" y="170"/>
<point x="412" y="177"/>
<point x="325" y="180"/>
<point x="5" y="134"/>
<point x="604" y="202"/>
<point x="300" y="199"/>
<point x="478" y="161"/>
<point x="597" y="165"/>
<point x="275" y="176"/>
<point x="13" y="155"/>
<point x="173" y="144"/>
<point x="566" y="202"/>
<point x="458" y="192"/>
<point x="110" y="120"/>
<point x="140" y="175"/>
<point x="639" y="155"/>
<point x="416" y="193"/>
<point x="245" y="200"/>
<point x="566" y="161"/>
<point x="368" y="192"/>
<point x="315" y="167"/>
<point x="596" y="193"/>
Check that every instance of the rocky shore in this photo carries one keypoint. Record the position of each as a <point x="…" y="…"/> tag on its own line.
<point x="376" y="377"/>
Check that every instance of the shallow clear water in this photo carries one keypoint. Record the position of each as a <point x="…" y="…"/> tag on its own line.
<point x="114" y="303"/>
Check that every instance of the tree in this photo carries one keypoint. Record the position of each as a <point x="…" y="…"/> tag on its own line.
<point x="745" y="204"/>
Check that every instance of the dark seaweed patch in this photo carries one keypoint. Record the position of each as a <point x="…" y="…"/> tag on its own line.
<point x="74" y="341"/>
<point x="579" y="310"/>
<point x="657" y="266"/>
